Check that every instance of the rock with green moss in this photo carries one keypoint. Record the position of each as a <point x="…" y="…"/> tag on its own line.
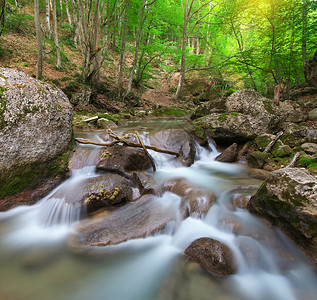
<point x="257" y="159"/>
<point x="288" y="198"/>
<point x="36" y="131"/>
<point x="105" y="123"/>
<point x="281" y="150"/>
<point x="263" y="140"/>
<point x="298" y="134"/>
<point x="251" y="103"/>
<point x="216" y="105"/>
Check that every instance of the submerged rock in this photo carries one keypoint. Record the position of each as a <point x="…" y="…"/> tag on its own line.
<point x="35" y="131"/>
<point x="177" y="140"/>
<point x="288" y="198"/>
<point x="116" y="225"/>
<point x="212" y="255"/>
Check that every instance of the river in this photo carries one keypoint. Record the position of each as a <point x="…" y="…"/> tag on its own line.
<point x="38" y="260"/>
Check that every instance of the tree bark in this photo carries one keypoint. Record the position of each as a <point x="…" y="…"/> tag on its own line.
<point x="58" y="51"/>
<point x="122" y="50"/>
<point x="2" y="15"/>
<point x="183" y="61"/>
<point x="39" y="71"/>
<point x="47" y="18"/>
<point x="304" y="31"/>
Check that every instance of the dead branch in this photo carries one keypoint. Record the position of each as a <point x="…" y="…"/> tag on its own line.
<point x="146" y="152"/>
<point x="272" y="143"/>
<point x="123" y="140"/>
<point x="294" y="160"/>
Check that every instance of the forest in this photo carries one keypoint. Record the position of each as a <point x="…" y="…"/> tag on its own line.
<point x="243" y="44"/>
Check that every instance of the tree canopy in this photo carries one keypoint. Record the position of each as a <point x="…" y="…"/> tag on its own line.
<point x="253" y="44"/>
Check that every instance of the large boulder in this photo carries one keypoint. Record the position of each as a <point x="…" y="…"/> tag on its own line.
<point x="297" y="134"/>
<point x="310" y="70"/>
<point x="36" y="130"/>
<point x="288" y="198"/>
<point x="213" y="256"/>
<point x="177" y="140"/>
<point x="231" y="127"/>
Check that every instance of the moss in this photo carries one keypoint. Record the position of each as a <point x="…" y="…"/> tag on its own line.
<point x="198" y="132"/>
<point x="235" y="114"/>
<point x="268" y="106"/>
<point x="262" y="141"/>
<point x="34" y="174"/>
<point x="312" y="168"/>
<point x="108" y="117"/>
<point x="222" y="117"/>
<point x="3" y="107"/>
<point x="305" y="160"/>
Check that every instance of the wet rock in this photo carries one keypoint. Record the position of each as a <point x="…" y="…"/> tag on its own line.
<point x="212" y="255"/>
<point x="122" y="159"/>
<point x="259" y="173"/>
<point x="310" y="148"/>
<point x="106" y="190"/>
<point x="146" y="184"/>
<point x="196" y="203"/>
<point x="178" y="186"/>
<point x="105" y="123"/>
<point x="134" y="220"/>
<point x="195" y="200"/>
<point x="229" y="155"/>
<point x="84" y="156"/>
<point x="312" y="115"/>
<point x="310" y="70"/>
<point x="35" y="131"/>
<point x="177" y="140"/>
<point x="288" y="198"/>
<point x="240" y="200"/>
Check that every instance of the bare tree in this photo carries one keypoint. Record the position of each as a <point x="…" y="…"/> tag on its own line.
<point x="58" y="51"/>
<point x="38" y="39"/>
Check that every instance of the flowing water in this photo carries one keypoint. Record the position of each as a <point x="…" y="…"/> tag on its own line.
<point x="38" y="262"/>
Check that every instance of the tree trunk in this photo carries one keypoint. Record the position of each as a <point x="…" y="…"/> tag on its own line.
<point x="58" y="52"/>
<point x="2" y="15"/>
<point x="183" y="61"/>
<point x="68" y="14"/>
<point x="47" y="18"/>
<point x="122" y="50"/>
<point x="304" y="31"/>
<point x="136" y="52"/>
<point x="38" y="39"/>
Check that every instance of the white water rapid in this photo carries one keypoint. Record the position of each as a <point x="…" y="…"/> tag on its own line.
<point x="37" y="261"/>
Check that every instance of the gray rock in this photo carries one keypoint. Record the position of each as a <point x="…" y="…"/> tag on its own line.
<point x="229" y="155"/>
<point x="177" y="140"/>
<point x="310" y="70"/>
<point x="298" y="134"/>
<point x="122" y="159"/>
<point x="105" y="123"/>
<point x="292" y="111"/>
<point x="310" y="148"/>
<point x="312" y="115"/>
<point x="212" y="255"/>
<point x="288" y="198"/>
<point x="36" y="128"/>
<point x="131" y="221"/>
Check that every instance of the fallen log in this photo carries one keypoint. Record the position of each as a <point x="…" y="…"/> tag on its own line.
<point x="123" y="140"/>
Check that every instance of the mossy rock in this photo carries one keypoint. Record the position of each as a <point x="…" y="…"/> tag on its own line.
<point x="108" y="117"/>
<point x="263" y="140"/>
<point x="257" y="159"/>
<point x="169" y="111"/>
<point x="305" y="160"/>
<point x="282" y="151"/>
<point x="198" y="132"/>
<point x="312" y="168"/>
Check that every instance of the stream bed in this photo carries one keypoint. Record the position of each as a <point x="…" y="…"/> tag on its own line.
<point x="38" y="261"/>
